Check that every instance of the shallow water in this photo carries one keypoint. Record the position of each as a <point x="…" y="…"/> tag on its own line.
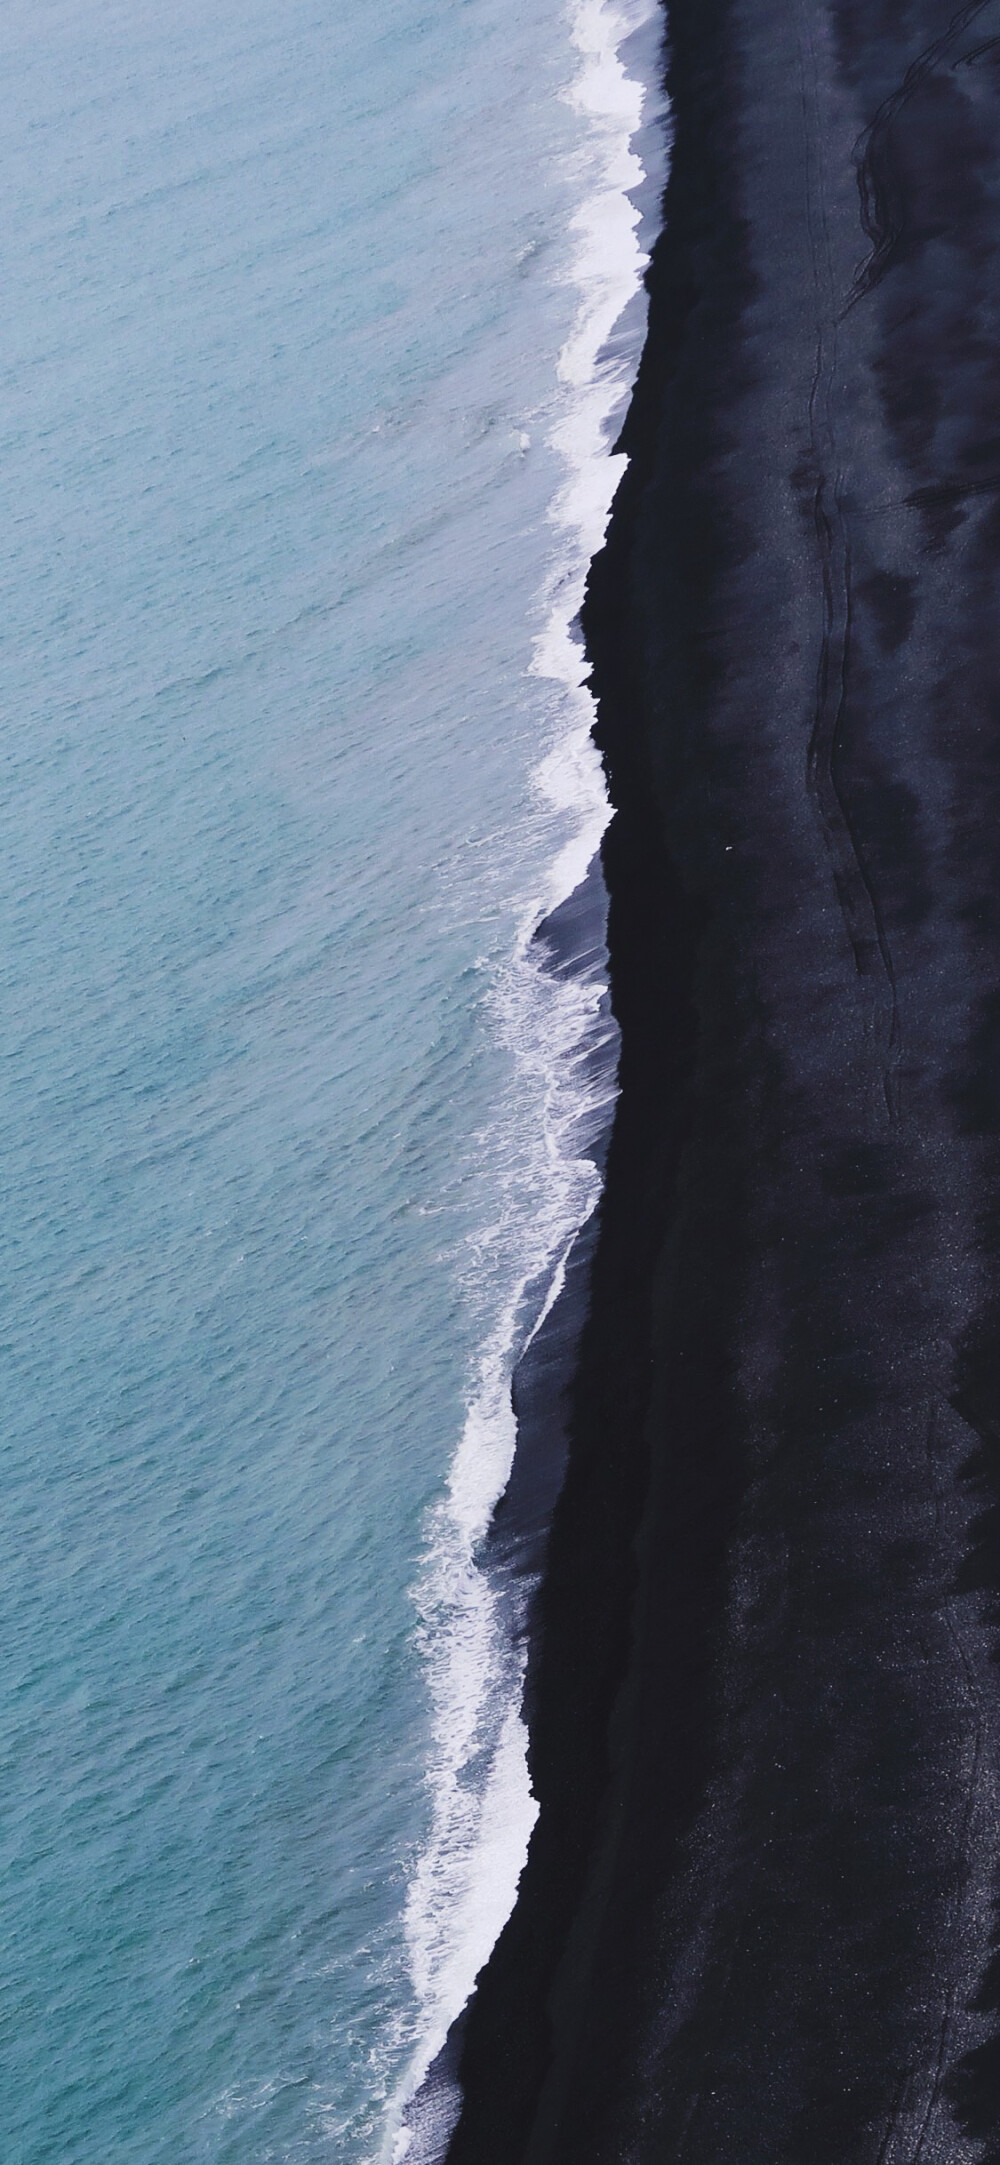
<point x="297" y="498"/>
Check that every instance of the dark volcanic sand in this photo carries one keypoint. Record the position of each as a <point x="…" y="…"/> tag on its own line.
<point x="758" y="1924"/>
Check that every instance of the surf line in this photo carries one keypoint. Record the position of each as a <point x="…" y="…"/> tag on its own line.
<point x="551" y="1008"/>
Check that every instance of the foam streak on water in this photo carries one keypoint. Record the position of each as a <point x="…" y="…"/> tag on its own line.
<point x="482" y="1809"/>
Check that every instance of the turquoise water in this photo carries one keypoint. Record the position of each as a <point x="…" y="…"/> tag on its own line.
<point x="285" y="1129"/>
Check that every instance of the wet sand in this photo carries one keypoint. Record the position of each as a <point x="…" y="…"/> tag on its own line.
<point x="758" y="1919"/>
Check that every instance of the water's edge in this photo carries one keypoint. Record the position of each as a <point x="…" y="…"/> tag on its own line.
<point x="567" y="948"/>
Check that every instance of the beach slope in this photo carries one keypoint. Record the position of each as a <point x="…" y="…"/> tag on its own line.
<point x="758" y="1919"/>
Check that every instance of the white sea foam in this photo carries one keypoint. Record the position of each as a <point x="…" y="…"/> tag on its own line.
<point x="557" y="1027"/>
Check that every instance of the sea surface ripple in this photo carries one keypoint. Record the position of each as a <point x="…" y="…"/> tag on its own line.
<point x="302" y="407"/>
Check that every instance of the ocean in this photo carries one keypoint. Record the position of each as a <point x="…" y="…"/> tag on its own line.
<point x="314" y="349"/>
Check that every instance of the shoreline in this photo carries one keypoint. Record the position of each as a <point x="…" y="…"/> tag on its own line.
<point x="570" y="942"/>
<point x="757" y="1918"/>
<point x="556" y="980"/>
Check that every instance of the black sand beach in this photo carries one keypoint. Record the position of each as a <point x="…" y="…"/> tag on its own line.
<point x="758" y="1921"/>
